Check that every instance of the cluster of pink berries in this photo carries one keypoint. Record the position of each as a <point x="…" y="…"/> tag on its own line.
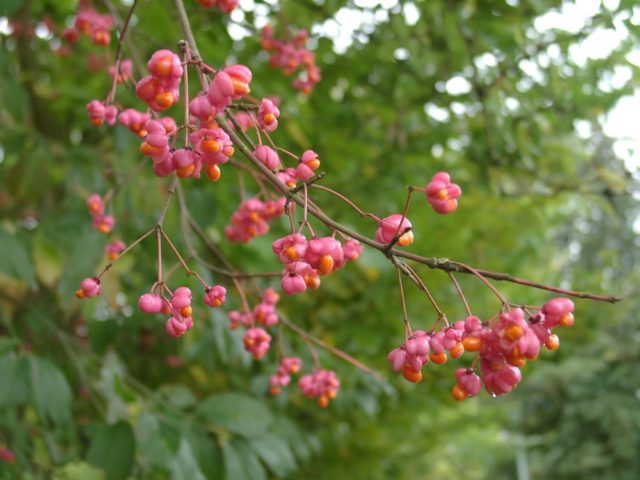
<point x="252" y="219"/>
<point x="225" y="6"/>
<point x="103" y="223"/>
<point x="322" y="384"/>
<point x="100" y="112"/>
<point x="160" y="90"/>
<point x="179" y="307"/>
<point x="256" y="340"/>
<point x="290" y="56"/>
<point x="308" y="163"/>
<point x="264" y="313"/>
<point x="503" y="347"/>
<point x="282" y="377"/>
<point x="114" y="249"/>
<point x="136" y="121"/>
<point x="91" y="23"/>
<point x="268" y="114"/>
<point x="306" y="260"/>
<point x="125" y="71"/>
<point x="211" y="147"/>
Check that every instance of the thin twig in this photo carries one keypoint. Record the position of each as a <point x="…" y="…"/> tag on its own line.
<point x="182" y="260"/>
<point x="336" y="351"/>
<point x="405" y="318"/>
<point x="118" y="57"/>
<point x="127" y="40"/>
<point x="124" y="252"/>
<point x="186" y="29"/>
<point x="170" y="192"/>
<point x="434" y="263"/>
<point x="459" y="290"/>
<point x="361" y="212"/>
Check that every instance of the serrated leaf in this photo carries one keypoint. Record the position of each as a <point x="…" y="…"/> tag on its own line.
<point x="184" y="464"/>
<point x="240" y="463"/>
<point x="113" y="387"/>
<point x="112" y="449"/>
<point x="152" y="446"/>
<point x="51" y="392"/>
<point x="237" y="413"/>
<point x="206" y="452"/>
<point x="275" y="453"/>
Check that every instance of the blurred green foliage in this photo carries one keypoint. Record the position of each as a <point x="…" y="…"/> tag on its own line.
<point x="91" y="390"/>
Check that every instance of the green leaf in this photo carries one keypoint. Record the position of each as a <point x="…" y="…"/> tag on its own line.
<point x="205" y="451"/>
<point x="78" y="471"/>
<point x="112" y="449"/>
<point x="14" y="259"/>
<point x="184" y="464"/>
<point x="51" y="392"/>
<point x="240" y="463"/>
<point x="46" y="259"/>
<point x="275" y="453"/>
<point x="152" y="446"/>
<point x="112" y="386"/>
<point x="237" y="413"/>
<point x="14" y="387"/>
<point x="179" y="396"/>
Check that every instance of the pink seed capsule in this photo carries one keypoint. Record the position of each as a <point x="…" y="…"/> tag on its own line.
<point x="442" y="194"/>
<point x="215" y="296"/>
<point x="150" y="303"/>
<point x="394" y="225"/>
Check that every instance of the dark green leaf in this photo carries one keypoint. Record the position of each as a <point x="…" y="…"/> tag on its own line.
<point x="51" y="392"/>
<point x="240" y="463"/>
<point x="112" y="449"/>
<point x="184" y="464"/>
<point x="237" y="413"/>
<point x="275" y="453"/>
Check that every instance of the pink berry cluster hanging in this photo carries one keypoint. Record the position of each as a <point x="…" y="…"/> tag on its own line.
<point x="90" y="22"/>
<point x="291" y="55"/>
<point x="252" y="218"/>
<point x="502" y="345"/>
